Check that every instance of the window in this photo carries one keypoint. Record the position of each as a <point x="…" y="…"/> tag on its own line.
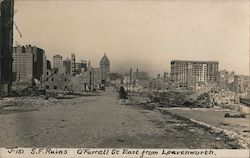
<point x="55" y="87"/>
<point x="52" y="79"/>
<point x="47" y="87"/>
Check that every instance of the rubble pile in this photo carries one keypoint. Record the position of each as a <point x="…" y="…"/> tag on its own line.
<point x="25" y="103"/>
<point x="224" y="98"/>
<point x="20" y="85"/>
<point x="167" y="98"/>
<point x="202" y="101"/>
<point x="148" y="106"/>
<point x="180" y="99"/>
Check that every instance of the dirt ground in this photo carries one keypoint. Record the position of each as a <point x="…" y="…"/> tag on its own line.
<point x="100" y="121"/>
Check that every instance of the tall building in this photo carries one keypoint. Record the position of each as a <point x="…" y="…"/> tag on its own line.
<point x="188" y="73"/>
<point x="165" y="77"/>
<point x="240" y="84"/>
<point x="73" y="64"/>
<point x="67" y="65"/>
<point x="48" y="65"/>
<point x="225" y="79"/>
<point x="6" y="41"/>
<point x="105" y="67"/>
<point x="22" y="64"/>
<point x="29" y="62"/>
<point x="58" y="63"/>
<point x="78" y="68"/>
<point x="83" y="65"/>
<point x="39" y="61"/>
<point x="140" y="75"/>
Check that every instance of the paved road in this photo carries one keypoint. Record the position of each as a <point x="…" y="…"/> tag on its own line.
<point x="99" y="121"/>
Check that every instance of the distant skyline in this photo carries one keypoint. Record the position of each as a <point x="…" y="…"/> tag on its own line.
<point x="145" y="34"/>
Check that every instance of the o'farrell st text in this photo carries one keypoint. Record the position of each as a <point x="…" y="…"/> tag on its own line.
<point x="140" y="153"/>
<point x="143" y="152"/>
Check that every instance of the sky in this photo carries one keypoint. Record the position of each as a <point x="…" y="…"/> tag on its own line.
<point x="144" y="34"/>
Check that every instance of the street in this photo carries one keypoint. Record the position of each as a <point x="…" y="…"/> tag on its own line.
<point x="99" y="121"/>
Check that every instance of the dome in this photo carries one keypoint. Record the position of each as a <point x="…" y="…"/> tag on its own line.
<point x="104" y="60"/>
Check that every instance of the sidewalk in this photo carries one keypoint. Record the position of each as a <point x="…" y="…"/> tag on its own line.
<point x="235" y="128"/>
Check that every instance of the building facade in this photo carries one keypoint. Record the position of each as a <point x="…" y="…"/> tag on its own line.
<point x="67" y="66"/>
<point x="81" y="67"/>
<point x="48" y="65"/>
<point x="105" y="67"/>
<point x="140" y="75"/>
<point x="58" y="63"/>
<point x="188" y="73"/>
<point x="22" y="64"/>
<point x="39" y="61"/>
<point x="73" y="64"/>
<point x="28" y="62"/>
<point x="240" y="84"/>
<point x="225" y="79"/>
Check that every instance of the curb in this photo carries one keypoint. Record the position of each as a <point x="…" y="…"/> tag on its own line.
<point x="226" y="133"/>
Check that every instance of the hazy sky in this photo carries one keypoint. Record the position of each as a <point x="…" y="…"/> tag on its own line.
<point x="145" y="34"/>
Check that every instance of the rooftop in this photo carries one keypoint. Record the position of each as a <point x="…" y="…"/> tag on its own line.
<point x="57" y="56"/>
<point x="195" y="61"/>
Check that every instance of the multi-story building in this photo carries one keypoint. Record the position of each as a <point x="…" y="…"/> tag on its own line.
<point x="240" y="84"/>
<point x="67" y="66"/>
<point x="188" y="73"/>
<point x="29" y="62"/>
<point x="58" y="63"/>
<point x="39" y="61"/>
<point x="91" y="77"/>
<point x="48" y="65"/>
<point x="81" y="67"/>
<point x="22" y="64"/>
<point x="225" y="79"/>
<point x="105" y="67"/>
<point x="166" y="77"/>
<point x="140" y="75"/>
<point x="73" y="64"/>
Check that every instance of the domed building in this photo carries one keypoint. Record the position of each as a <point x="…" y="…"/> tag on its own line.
<point x="105" y="67"/>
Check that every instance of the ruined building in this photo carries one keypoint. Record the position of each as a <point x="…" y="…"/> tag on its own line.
<point x="6" y="41"/>
<point x="105" y="67"/>
<point x="73" y="64"/>
<point x="189" y="73"/>
<point x="28" y="62"/>
<point x="67" y="66"/>
<point x="58" y="64"/>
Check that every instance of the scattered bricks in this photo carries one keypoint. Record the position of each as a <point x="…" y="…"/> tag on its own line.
<point x="25" y="103"/>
